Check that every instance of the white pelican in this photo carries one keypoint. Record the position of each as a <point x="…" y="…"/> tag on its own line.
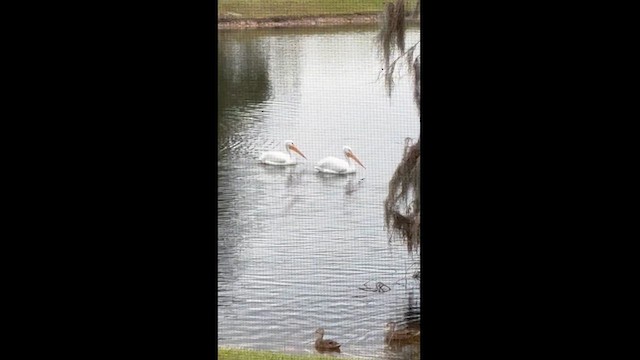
<point x="280" y="158"/>
<point x="332" y="165"/>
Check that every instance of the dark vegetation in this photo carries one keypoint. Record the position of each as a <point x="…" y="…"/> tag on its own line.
<point x="402" y="206"/>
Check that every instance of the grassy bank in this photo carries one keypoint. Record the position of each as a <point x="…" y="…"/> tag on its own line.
<point x="262" y="9"/>
<point x="240" y="354"/>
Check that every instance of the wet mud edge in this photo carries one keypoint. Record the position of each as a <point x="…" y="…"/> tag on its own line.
<point x="229" y="22"/>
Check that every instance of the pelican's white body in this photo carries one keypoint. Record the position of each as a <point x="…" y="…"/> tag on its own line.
<point x="280" y="158"/>
<point x="333" y="165"/>
<point x="277" y="158"/>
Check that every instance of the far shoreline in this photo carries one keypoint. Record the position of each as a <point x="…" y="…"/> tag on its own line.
<point x="229" y="22"/>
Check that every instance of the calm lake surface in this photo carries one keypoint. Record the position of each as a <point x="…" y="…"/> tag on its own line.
<point x="295" y="247"/>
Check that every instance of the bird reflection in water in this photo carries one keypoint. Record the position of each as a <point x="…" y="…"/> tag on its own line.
<point x="293" y="178"/>
<point x="352" y="186"/>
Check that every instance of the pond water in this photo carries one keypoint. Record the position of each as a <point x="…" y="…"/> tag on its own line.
<point x="298" y="250"/>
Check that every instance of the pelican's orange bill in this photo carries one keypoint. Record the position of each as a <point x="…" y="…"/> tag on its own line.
<point x="351" y="155"/>
<point x="294" y="148"/>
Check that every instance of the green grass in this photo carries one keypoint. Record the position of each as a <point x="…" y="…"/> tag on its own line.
<point x="240" y="354"/>
<point x="257" y="9"/>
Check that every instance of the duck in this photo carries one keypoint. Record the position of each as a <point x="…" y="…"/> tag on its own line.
<point x="394" y="335"/>
<point x="325" y="345"/>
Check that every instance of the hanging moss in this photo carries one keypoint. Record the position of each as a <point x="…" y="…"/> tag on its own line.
<point x="402" y="205"/>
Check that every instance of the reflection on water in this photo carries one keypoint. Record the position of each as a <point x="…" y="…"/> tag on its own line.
<point x="296" y="247"/>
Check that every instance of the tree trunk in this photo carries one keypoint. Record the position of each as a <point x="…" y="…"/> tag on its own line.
<point x="416" y="11"/>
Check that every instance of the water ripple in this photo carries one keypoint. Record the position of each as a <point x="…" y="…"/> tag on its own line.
<point x="295" y="247"/>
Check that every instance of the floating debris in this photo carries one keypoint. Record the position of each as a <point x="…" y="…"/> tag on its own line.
<point x="380" y="287"/>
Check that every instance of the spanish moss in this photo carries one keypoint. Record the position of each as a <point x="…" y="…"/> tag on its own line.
<point x="402" y="205"/>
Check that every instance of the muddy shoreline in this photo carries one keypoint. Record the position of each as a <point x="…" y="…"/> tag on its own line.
<point x="231" y="21"/>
